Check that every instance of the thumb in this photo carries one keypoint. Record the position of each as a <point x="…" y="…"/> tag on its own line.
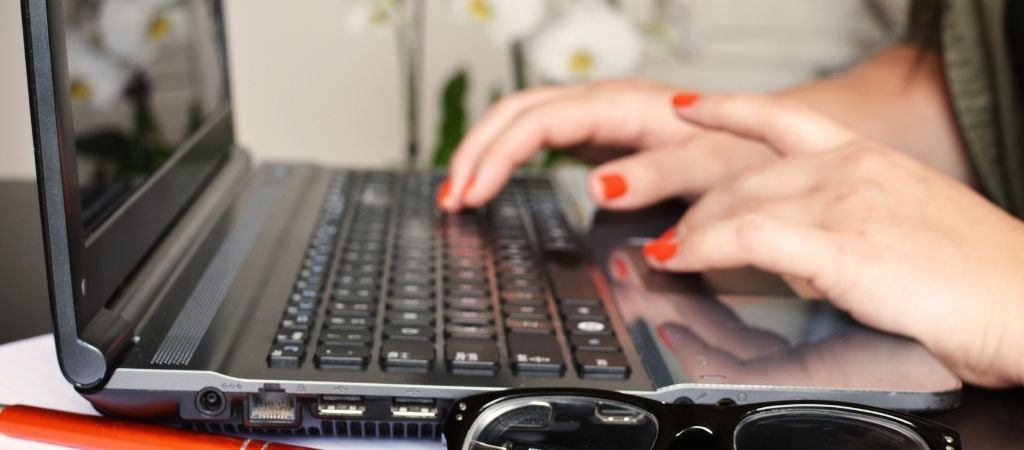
<point x="783" y="124"/>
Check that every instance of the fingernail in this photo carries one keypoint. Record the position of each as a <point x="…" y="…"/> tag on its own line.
<point x="671" y="233"/>
<point x="614" y="186"/>
<point x="619" y="268"/>
<point x="443" y="192"/>
<point x="685" y="99"/>
<point x="661" y="250"/>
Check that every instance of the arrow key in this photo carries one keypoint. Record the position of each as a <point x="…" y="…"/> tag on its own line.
<point x="535" y="355"/>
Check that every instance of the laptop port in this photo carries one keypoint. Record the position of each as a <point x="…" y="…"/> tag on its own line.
<point x="419" y="409"/>
<point x="340" y="407"/>
<point x="271" y="409"/>
<point x="211" y="402"/>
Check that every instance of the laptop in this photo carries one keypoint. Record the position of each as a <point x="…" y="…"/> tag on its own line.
<point x="189" y="284"/>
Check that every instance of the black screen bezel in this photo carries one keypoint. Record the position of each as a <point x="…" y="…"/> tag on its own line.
<point x="86" y="270"/>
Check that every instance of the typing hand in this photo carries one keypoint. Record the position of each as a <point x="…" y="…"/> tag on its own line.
<point x="671" y="157"/>
<point x="899" y="246"/>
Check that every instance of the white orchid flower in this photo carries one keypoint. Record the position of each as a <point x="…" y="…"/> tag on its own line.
<point x="504" y="21"/>
<point x="135" y="30"/>
<point x="96" y="79"/>
<point x="590" y="41"/>
<point x="674" y="30"/>
<point x="373" y="16"/>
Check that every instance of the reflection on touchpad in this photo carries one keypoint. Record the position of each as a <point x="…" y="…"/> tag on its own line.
<point x="710" y="331"/>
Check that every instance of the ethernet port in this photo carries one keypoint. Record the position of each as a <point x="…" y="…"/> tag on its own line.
<point x="271" y="409"/>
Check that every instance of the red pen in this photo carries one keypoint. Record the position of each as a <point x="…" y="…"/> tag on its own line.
<point x="92" y="432"/>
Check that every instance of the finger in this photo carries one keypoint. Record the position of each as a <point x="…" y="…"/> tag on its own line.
<point x="784" y="124"/>
<point x="628" y="116"/>
<point x="650" y="176"/>
<point x="753" y="188"/>
<point x="761" y="241"/>
<point x="475" y="143"/>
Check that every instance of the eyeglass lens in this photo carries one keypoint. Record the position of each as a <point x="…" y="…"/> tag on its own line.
<point x="562" y="422"/>
<point x="821" y="429"/>
<point x="580" y="422"/>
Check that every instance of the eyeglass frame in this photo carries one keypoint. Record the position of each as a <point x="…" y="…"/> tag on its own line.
<point x="719" y="422"/>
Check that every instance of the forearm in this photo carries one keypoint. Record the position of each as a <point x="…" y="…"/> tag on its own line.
<point x="898" y="97"/>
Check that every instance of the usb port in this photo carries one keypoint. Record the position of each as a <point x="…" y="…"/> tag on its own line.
<point x="271" y="409"/>
<point x="419" y="409"/>
<point x="340" y="406"/>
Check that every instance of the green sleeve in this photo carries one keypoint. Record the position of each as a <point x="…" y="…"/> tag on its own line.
<point x="984" y="96"/>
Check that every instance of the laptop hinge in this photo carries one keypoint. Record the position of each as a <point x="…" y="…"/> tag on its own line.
<point x="110" y="333"/>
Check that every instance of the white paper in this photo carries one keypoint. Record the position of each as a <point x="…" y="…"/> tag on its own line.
<point x="29" y="375"/>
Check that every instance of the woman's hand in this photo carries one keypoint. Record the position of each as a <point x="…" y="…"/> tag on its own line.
<point x="672" y="157"/>
<point x="898" y="245"/>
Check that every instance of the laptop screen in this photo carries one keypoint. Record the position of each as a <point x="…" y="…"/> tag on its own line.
<point x="143" y="75"/>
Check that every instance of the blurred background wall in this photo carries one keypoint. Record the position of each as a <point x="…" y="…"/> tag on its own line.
<point x="305" y="86"/>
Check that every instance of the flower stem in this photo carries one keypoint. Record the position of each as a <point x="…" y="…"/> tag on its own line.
<point x="409" y="34"/>
<point x="518" y="66"/>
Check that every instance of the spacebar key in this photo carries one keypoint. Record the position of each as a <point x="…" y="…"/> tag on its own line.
<point x="535" y="354"/>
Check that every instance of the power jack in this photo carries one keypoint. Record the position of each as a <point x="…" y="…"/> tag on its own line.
<point x="211" y="402"/>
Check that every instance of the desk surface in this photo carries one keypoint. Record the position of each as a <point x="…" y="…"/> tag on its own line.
<point x="987" y="419"/>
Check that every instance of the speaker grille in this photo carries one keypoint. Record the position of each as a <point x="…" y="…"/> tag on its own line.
<point x="191" y="324"/>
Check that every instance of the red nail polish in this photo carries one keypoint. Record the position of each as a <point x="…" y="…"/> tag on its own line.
<point x="668" y="234"/>
<point x="614" y="186"/>
<point x="685" y="99"/>
<point x="620" y="269"/>
<point x="442" y="193"/>
<point x="661" y="250"/>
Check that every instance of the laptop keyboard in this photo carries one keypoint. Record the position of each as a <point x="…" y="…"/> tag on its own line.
<point x="388" y="279"/>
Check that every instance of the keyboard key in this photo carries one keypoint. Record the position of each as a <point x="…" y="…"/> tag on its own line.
<point x="594" y="343"/>
<point x="599" y="327"/>
<point x="412" y="304"/>
<point x="306" y="305"/>
<point x="344" y="357"/>
<point x="412" y="291"/>
<point x="348" y="323"/>
<point x="356" y="282"/>
<point x="466" y="275"/>
<point x="355" y="309"/>
<point x="584" y="312"/>
<point x="469" y="290"/>
<point x="526" y="311"/>
<point x="601" y="364"/>
<point x="517" y="270"/>
<point x="347" y="293"/>
<point x="472" y="356"/>
<point x="407" y="356"/>
<point x="297" y="322"/>
<point x="410" y="317"/>
<point x="529" y="326"/>
<point x="286" y="356"/>
<point x="470" y="331"/>
<point x="409" y="332"/>
<point x="535" y="354"/>
<point x="470" y="303"/>
<point x="571" y="281"/>
<point x="291" y="337"/>
<point x="468" y="317"/>
<point x="412" y="278"/>
<point x="519" y="281"/>
<point x="346" y="337"/>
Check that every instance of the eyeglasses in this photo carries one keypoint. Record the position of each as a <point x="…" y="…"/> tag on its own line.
<point x="557" y="419"/>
